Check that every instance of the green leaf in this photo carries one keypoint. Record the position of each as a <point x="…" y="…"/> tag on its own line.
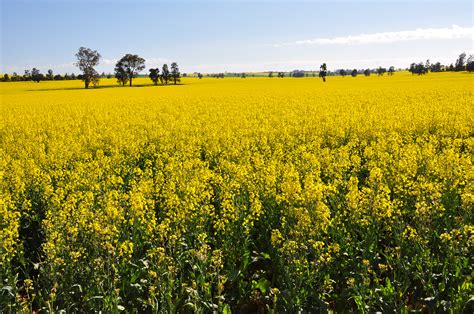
<point x="262" y="284"/>
<point x="226" y="309"/>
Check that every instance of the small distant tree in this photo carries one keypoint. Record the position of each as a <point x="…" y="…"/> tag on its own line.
<point x="323" y="71"/>
<point x="354" y="73"/>
<point x="58" y="77"/>
<point x="6" y="78"/>
<point x="460" y="62"/>
<point x="175" y="75"/>
<point x="391" y="70"/>
<point x="165" y="73"/>
<point x="367" y="72"/>
<point x="36" y="76"/>
<point x="427" y="66"/>
<point x="50" y="75"/>
<point x="342" y="72"/>
<point x="270" y="74"/>
<point x="418" y="68"/>
<point x="87" y="59"/>
<point x="297" y="73"/>
<point x="200" y="75"/>
<point x="243" y="75"/>
<point x="381" y="71"/>
<point x="154" y="75"/>
<point x="281" y="74"/>
<point x="27" y="75"/>
<point x="470" y="63"/>
<point x="131" y="65"/>
<point x="436" y="67"/>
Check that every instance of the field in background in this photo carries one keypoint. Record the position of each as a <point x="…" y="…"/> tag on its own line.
<point x="235" y="194"/>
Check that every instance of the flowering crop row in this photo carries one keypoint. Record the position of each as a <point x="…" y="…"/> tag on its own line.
<point x="238" y="195"/>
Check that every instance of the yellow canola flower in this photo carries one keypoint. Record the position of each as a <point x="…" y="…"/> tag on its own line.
<point x="119" y="175"/>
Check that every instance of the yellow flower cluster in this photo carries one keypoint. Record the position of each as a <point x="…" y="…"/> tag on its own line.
<point x="117" y="181"/>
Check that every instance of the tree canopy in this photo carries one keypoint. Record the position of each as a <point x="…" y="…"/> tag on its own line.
<point x="128" y="67"/>
<point x="87" y="59"/>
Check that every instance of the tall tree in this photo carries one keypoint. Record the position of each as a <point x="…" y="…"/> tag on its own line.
<point x="367" y="72"/>
<point x="470" y="63"/>
<point x="460" y="66"/>
<point x="323" y="71"/>
<point x="427" y="65"/>
<point x="354" y="73"/>
<point x="412" y="69"/>
<point x="342" y="72"/>
<point x="131" y="65"/>
<point x="120" y="74"/>
<point x="87" y="59"/>
<point x="154" y="75"/>
<point x="50" y="75"/>
<point x="36" y="76"/>
<point x="165" y="73"/>
<point x="175" y="72"/>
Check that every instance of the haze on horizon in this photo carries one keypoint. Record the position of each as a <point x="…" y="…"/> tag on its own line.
<point x="234" y="36"/>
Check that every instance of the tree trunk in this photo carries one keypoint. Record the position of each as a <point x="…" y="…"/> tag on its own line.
<point x="86" y="83"/>
<point x="130" y="81"/>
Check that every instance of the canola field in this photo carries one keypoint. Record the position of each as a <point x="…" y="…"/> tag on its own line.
<point x="238" y="195"/>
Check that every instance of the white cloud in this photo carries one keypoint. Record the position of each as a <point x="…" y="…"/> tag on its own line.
<point x="150" y="62"/>
<point x="108" y="61"/>
<point x="20" y="69"/>
<point x="156" y="61"/>
<point x="453" y="32"/>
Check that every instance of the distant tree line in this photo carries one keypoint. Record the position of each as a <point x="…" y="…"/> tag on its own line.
<point x="166" y="74"/>
<point x="35" y="75"/>
<point x="126" y="69"/>
<point x="130" y="65"/>
<point x="462" y="63"/>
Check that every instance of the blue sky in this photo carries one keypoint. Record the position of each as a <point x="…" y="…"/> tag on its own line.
<point x="218" y="36"/>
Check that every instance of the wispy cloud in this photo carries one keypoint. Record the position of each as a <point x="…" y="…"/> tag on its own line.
<point x="153" y="61"/>
<point x="149" y="61"/>
<point x="109" y="61"/>
<point x="44" y="67"/>
<point x="453" y="32"/>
